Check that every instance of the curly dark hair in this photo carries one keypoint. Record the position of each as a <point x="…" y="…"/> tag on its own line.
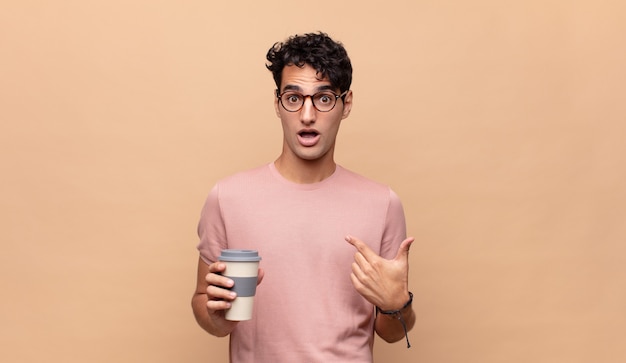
<point x="328" y="57"/>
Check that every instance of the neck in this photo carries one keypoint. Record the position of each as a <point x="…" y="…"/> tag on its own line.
<point x="305" y="171"/>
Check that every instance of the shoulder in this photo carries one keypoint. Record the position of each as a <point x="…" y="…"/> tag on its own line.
<point x="355" y="180"/>
<point x="355" y="183"/>
<point x="253" y="175"/>
<point x="234" y="184"/>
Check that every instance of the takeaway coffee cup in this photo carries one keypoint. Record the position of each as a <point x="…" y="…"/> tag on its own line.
<point x="242" y="266"/>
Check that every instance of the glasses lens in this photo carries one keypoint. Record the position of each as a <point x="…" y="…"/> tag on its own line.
<point x="292" y="101"/>
<point x="324" y="101"/>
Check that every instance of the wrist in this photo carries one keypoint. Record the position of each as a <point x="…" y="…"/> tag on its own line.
<point x="399" y="314"/>
<point x="400" y="310"/>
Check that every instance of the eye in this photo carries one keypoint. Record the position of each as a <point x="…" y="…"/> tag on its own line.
<point x="325" y="98"/>
<point x="292" y="98"/>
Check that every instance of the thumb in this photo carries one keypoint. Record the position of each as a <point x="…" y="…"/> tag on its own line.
<point x="403" y="250"/>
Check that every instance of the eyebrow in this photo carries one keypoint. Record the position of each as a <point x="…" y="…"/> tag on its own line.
<point x="291" y="87"/>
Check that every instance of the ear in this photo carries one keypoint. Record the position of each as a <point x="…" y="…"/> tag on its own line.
<point x="347" y="104"/>
<point x="276" y="105"/>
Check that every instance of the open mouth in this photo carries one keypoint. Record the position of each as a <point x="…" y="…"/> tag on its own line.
<point x="308" y="134"/>
<point x="308" y="138"/>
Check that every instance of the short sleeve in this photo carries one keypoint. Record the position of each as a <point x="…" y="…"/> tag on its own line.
<point x="395" y="227"/>
<point x="211" y="228"/>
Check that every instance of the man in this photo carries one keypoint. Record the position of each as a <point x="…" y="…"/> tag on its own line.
<point x="322" y="292"/>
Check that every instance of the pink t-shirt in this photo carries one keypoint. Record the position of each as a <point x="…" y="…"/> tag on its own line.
<point x="306" y="308"/>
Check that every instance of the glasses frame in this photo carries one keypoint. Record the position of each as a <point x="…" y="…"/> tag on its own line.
<point x="304" y="97"/>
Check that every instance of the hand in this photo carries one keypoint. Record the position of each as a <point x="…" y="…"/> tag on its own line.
<point x="219" y="296"/>
<point x="382" y="282"/>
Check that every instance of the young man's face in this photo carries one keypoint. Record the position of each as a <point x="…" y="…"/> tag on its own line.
<point x="310" y="134"/>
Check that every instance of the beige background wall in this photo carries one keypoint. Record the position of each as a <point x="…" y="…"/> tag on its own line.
<point x="499" y="123"/>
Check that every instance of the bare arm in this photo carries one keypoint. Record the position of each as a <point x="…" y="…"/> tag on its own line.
<point x="389" y="327"/>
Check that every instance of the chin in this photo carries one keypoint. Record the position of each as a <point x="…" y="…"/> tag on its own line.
<point x="312" y="157"/>
<point x="308" y="158"/>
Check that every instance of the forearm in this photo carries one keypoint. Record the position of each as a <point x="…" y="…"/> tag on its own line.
<point x="214" y="324"/>
<point x="390" y="328"/>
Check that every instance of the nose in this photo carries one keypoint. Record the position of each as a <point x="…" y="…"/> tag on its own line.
<point x="308" y="113"/>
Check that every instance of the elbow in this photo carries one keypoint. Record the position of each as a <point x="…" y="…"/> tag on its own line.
<point x="391" y="338"/>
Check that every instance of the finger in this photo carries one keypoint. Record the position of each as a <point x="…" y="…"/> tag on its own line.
<point x="217" y="267"/>
<point x="217" y="293"/>
<point x="403" y="250"/>
<point x="215" y="278"/>
<point x="361" y="247"/>
<point x="358" y="285"/>
<point x="215" y="305"/>
<point x="357" y="271"/>
<point x="219" y="280"/>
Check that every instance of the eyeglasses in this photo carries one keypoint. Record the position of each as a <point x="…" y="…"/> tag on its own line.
<point x="323" y="101"/>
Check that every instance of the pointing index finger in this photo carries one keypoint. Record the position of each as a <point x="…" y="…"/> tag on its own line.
<point x="361" y="247"/>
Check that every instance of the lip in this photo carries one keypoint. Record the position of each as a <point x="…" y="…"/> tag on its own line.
<point x="308" y="137"/>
